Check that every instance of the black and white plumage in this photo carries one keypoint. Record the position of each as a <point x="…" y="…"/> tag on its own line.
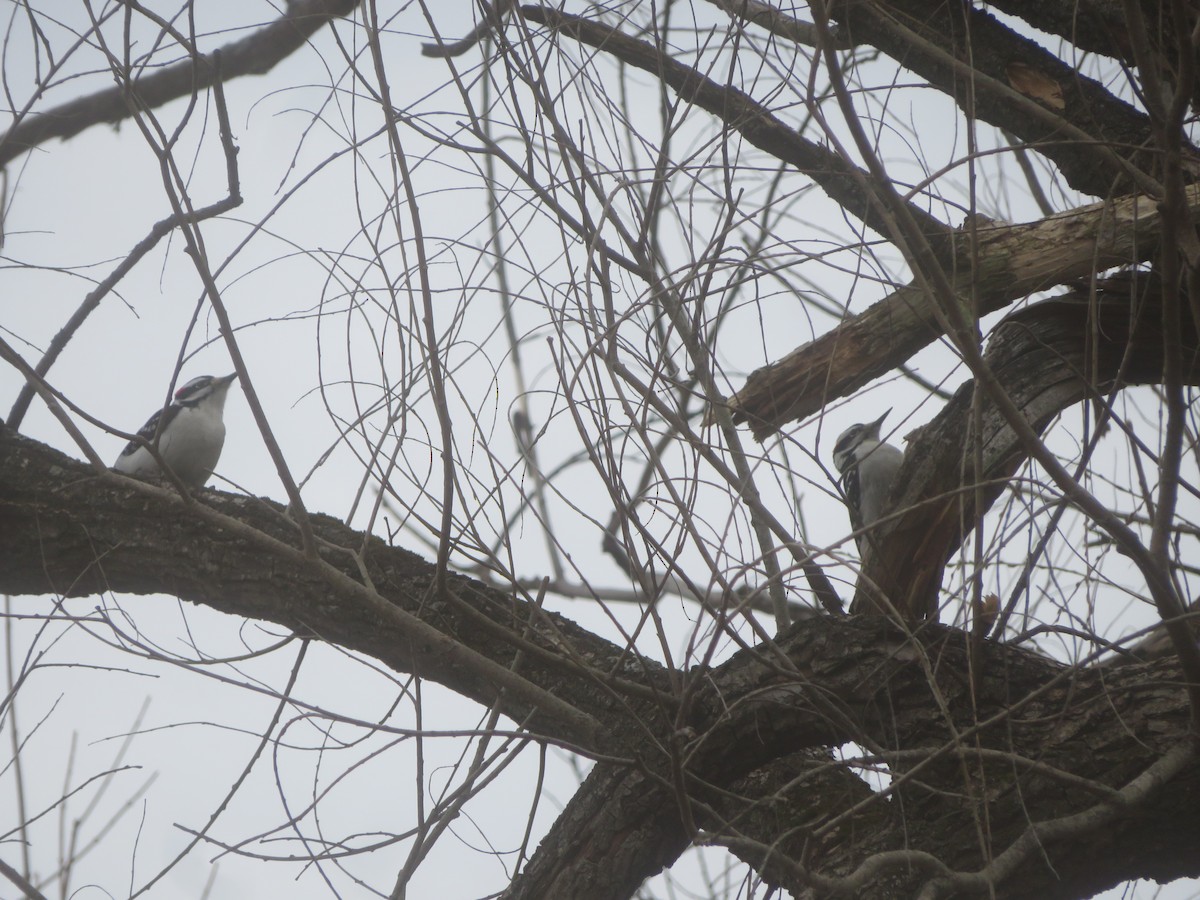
<point x="190" y="436"/>
<point x="868" y="467"/>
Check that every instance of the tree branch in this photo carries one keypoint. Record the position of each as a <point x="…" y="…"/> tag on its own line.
<point x="1020" y="729"/>
<point x="831" y="680"/>
<point x="75" y="534"/>
<point x="1049" y="356"/>
<point x="755" y="122"/>
<point x="1095" y="139"/>
<point x="255" y="54"/>
<point x="1013" y="261"/>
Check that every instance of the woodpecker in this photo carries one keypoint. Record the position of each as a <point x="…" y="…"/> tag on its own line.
<point x="190" y="433"/>
<point x="868" y="468"/>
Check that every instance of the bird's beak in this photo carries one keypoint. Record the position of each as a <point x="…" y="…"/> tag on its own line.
<point x="878" y="423"/>
<point x="228" y="379"/>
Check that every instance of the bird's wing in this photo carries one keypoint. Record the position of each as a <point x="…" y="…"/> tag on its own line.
<point x="150" y="429"/>
<point x="850" y="488"/>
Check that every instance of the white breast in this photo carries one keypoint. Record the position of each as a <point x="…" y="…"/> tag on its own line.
<point x="191" y="445"/>
<point x="883" y="461"/>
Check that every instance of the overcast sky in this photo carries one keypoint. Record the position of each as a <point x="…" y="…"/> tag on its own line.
<point x="75" y="208"/>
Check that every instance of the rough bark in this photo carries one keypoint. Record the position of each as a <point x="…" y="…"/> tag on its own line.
<point x="1010" y="262"/>
<point x="93" y="534"/>
<point x="1099" y="143"/>
<point x="1013" y="776"/>
<point x="1092" y="25"/>
<point x="1042" y="727"/>
<point x="717" y="760"/>
<point x="1049" y="356"/>
<point x="1101" y="26"/>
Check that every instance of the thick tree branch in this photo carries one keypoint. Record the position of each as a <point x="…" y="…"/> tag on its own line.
<point x="1012" y="262"/>
<point x="70" y="533"/>
<point x="1020" y="729"/>
<point x="1097" y="141"/>
<point x="1049" y="356"/>
<point x="1101" y="26"/>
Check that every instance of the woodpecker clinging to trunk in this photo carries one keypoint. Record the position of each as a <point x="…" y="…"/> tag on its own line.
<point x="868" y="468"/>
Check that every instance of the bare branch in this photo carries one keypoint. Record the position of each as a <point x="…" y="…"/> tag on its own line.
<point x="254" y="54"/>
<point x="739" y="111"/>
<point x="1013" y="262"/>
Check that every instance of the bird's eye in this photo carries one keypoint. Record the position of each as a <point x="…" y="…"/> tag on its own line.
<point x="191" y="387"/>
<point x="849" y="439"/>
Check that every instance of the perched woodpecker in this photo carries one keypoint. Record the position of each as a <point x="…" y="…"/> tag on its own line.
<point x="868" y="468"/>
<point x="190" y="433"/>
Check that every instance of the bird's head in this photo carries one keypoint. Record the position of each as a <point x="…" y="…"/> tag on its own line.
<point x="204" y="387"/>
<point x="855" y="441"/>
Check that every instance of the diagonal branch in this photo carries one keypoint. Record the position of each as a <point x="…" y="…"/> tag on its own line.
<point x="756" y="123"/>
<point x="1018" y="727"/>
<point x="1013" y="261"/>
<point x="1048" y="357"/>
<point x="70" y="533"/>
<point x="1099" y="142"/>
<point x="254" y="54"/>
